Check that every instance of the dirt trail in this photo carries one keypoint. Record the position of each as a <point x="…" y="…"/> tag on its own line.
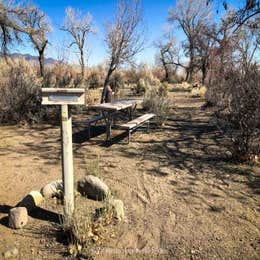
<point x="183" y="198"/>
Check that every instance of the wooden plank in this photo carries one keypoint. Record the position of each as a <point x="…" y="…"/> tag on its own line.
<point x="94" y="119"/>
<point x="128" y="125"/>
<point x="62" y="96"/>
<point x="118" y="105"/>
<point x="137" y="121"/>
<point x="63" y="90"/>
<point x="67" y="161"/>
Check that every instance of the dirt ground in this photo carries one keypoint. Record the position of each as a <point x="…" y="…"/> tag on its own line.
<point x="183" y="197"/>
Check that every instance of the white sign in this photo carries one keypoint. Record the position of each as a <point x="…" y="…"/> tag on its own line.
<point x="63" y="96"/>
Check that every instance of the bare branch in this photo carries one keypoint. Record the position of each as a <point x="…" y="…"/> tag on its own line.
<point x="124" y="37"/>
<point x="78" y="27"/>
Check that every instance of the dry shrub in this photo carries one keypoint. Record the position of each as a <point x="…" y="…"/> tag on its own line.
<point x="184" y="85"/>
<point x="94" y="80"/>
<point x="158" y="73"/>
<point x="116" y="82"/>
<point x="236" y="94"/>
<point x="87" y="229"/>
<point x="199" y="91"/>
<point x="144" y="84"/>
<point x="93" y="96"/>
<point x="140" y="79"/>
<point x="63" y="76"/>
<point x="20" y="93"/>
<point x="157" y="102"/>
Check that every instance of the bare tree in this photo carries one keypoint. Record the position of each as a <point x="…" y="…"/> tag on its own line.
<point x="234" y="88"/>
<point x="204" y="43"/>
<point x="191" y="16"/>
<point x="248" y="46"/>
<point x="169" y="55"/>
<point x="78" y="26"/>
<point x="246" y="15"/>
<point x="124" y="37"/>
<point x="10" y="24"/>
<point x="37" y="27"/>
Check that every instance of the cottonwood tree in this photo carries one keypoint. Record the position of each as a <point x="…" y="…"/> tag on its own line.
<point x="78" y="26"/>
<point x="204" y="44"/>
<point x="10" y="24"/>
<point x="169" y="55"/>
<point x="37" y="27"/>
<point x="124" y="37"/>
<point x="246" y="15"/>
<point x="248" y="46"/>
<point x="191" y="16"/>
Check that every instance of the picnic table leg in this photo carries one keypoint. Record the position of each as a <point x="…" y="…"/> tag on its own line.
<point x="108" y="121"/>
<point x="109" y="131"/>
<point x="131" y="111"/>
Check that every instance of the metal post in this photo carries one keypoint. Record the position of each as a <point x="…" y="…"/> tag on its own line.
<point x="67" y="161"/>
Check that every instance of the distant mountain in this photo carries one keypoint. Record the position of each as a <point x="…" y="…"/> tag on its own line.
<point x="29" y="57"/>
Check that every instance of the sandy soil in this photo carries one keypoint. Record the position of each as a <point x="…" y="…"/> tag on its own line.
<point x="184" y="199"/>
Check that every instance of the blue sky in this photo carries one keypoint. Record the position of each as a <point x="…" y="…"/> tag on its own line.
<point x="155" y="20"/>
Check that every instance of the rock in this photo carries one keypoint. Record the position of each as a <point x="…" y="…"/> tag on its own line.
<point x="228" y="154"/>
<point x="112" y="165"/>
<point x="53" y="189"/>
<point x="118" y="209"/>
<point x="18" y="217"/>
<point x="105" y="169"/>
<point x="7" y="254"/>
<point x="92" y="187"/>
<point x="32" y="200"/>
<point x="12" y="252"/>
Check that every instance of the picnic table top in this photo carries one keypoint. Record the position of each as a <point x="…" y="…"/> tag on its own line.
<point x="118" y="105"/>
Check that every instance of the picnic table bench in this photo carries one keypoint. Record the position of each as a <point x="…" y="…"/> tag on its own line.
<point x="108" y="110"/>
<point x="92" y="120"/>
<point x="133" y="124"/>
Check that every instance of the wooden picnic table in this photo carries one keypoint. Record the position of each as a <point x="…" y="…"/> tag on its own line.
<point x="109" y="110"/>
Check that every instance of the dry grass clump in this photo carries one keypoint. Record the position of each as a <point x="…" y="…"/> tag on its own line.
<point x="156" y="101"/>
<point x="184" y="85"/>
<point x="88" y="228"/>
<point x="199" y="91"/>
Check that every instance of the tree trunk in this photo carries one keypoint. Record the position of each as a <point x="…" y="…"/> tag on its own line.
<point x="191" y="63"/>
<point x="204" y="73"/>
<point x="167" y="74"/>
<point x="41" y="62"/>
<point x="82" y="64"/>
<point x="109" y="73"/>
<point x="187" y="74"/>
<point x="166" y="70"/>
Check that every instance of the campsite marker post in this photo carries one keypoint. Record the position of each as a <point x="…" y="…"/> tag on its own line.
<point x="65" y="97"/>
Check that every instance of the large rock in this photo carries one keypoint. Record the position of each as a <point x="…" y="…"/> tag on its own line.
<point x="53" y="189"/>
<point x="92" y="187"/>
<point x="18" y="217"/>
<point x="31" y="200"/>
<point x="118" y="209"/>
